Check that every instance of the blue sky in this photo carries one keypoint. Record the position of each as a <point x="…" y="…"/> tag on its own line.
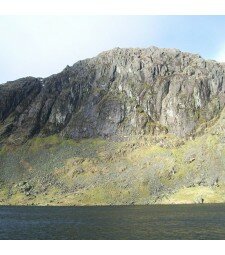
<point x="42" y="45"/>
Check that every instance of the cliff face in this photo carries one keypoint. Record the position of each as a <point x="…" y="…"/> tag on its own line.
<point x="118" y="93"/>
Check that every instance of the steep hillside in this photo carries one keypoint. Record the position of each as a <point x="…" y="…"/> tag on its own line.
<point x="130" y="126"/>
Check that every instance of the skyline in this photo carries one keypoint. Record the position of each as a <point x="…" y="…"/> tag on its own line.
<point x="43" y="45"/>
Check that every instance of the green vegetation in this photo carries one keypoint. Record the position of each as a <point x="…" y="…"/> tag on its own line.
<point x="142" y="170"/>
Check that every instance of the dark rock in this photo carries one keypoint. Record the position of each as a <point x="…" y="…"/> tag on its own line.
<point x="25" y="187"/>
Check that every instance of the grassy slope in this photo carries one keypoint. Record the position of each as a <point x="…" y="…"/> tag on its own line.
<point x="144" y="170"/>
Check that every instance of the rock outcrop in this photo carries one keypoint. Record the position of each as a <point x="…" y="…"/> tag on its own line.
<point x="118" y="93"/>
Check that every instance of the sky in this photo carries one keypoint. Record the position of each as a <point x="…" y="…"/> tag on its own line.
<point x="43" y="45"/>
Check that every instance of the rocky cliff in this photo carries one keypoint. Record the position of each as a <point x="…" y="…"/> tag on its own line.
<point x="136" y="98"/>
<point x="118" y="93"/>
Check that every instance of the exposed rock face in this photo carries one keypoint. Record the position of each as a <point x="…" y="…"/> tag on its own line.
<point x="118" y="93"/>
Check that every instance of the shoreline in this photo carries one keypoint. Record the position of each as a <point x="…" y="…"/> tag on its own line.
<point x="111" y="205"/>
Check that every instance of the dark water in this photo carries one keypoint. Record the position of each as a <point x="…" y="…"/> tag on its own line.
<point x="113" y="222"/>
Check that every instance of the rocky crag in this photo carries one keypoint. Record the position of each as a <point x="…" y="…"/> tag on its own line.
<point x="128" y="126"/>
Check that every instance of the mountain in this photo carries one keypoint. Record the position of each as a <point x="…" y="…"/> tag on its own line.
<point x="129" y="126"/>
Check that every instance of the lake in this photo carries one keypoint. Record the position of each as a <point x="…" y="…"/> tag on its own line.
<point x="200" y="221"/>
